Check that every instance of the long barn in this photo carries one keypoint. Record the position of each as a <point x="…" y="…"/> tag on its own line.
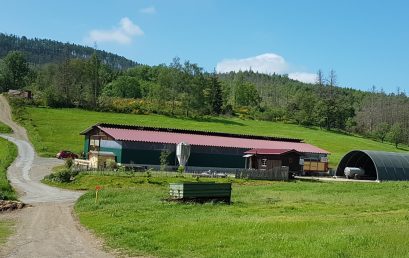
<point x="142" y="145"/>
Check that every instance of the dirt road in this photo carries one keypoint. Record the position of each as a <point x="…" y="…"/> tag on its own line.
<point x="47" y="228"/>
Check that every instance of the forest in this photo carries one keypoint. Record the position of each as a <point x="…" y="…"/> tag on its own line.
<point x="43" y="51"/>
<point x="185" y="89"/>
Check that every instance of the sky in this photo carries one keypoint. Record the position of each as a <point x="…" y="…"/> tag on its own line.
<point x="365" y="42"/>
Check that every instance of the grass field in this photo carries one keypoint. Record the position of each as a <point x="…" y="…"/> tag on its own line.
<point x="52" y="130"/>
<point x="4" y="128"/>
<point x="8" y="152"/>
<point x="5" y="230"/>
<point x="266" y="219"/>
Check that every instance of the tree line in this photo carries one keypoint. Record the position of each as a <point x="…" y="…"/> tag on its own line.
<point x="43" y="51"/>
<point x="186" y="89"/>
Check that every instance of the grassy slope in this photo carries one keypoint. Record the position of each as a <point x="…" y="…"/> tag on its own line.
<point x="4" y="128"/>
<point x="266" y="219"/>
<point x="8" y="152"/>
<point x="54" y="129"/>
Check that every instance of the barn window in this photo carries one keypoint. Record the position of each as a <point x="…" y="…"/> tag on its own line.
<point x="264" y="162"/>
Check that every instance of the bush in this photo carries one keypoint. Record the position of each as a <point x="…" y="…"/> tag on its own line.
<point x="181" y="169"/>
<point x="61" y="176"/>
<point x="68" y="163"/>
<point x="64" y="175"/>
<point x="164" y="159"/>
<point x="111" y="164"/>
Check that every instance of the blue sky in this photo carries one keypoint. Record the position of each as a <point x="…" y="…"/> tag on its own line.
<point x="365" y="42"/>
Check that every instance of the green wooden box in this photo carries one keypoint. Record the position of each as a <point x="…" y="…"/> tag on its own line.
<point x="200" y="191"/>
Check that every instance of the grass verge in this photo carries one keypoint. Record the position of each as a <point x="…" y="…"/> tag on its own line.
<point x="52" y="130"/>
<point x="4" y="128"/>
<point x="266" y="219"/>
<point x="8" y="152"/>
<point x="5" y="230"/>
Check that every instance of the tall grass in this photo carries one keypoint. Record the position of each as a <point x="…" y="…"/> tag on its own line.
<point x="52" y="130"/>
<point x="8" y="152"/>
<point x="266" y="219"/>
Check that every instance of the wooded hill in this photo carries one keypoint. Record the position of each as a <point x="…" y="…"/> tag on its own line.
<point x="43" y="51"/>
<point x="185" y="89"/>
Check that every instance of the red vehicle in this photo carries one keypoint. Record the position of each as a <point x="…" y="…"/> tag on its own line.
<point x="66" y="155"/>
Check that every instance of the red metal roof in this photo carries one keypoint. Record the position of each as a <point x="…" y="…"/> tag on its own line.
<point x="270" y="151"/>
<point x="206" y="140"/>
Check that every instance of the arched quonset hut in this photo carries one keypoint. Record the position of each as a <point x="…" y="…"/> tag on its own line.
<point x="378" y="165"/>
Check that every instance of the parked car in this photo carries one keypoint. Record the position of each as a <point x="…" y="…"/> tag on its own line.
<point x="66" y="155"/>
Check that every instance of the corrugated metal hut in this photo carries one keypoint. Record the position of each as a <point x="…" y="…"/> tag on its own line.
<point x="143" y="145"/>
<point x="378" y="165"/>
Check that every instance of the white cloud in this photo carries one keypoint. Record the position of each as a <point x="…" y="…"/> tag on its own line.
<point x="148" y="10"/>
<point x="267" y="63"/>
<point x="303" y="77"/>
<point x="122" y="34"/>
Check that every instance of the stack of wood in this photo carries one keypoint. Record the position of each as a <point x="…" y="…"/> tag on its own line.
<point x="10" y="205"/>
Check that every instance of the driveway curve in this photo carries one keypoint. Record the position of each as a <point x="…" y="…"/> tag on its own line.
<point x="47" y="228"/>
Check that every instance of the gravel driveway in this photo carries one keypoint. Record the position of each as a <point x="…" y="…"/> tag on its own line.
<point x="48" y="228"/>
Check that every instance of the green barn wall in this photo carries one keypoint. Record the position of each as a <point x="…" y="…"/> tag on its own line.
<point x="116" y="151"/>
<point x="151" y="157"/>
<point x="215" y="160"/>
<point x="86" y="146"/>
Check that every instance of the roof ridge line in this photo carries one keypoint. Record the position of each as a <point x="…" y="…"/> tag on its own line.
<point x="195" y="132"/>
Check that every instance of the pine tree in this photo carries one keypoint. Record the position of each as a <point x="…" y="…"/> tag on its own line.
<point x="216" y="98"/>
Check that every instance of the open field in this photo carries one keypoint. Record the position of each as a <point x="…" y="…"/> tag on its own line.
<point x="52" y="130"/>
<point x="266" y="219"/>
<point x="4" y="128"/>
<point x="8" y="152"/>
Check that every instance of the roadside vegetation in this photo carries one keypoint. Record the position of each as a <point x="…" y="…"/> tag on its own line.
<point x="52" y="130"/>
<point x="5" y="230"/>
<point x="266" y="219"/>
<point x="8" y="152"/>
<point x="4" y="128"/>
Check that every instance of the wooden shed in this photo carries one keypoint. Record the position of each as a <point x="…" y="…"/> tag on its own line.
<point x="267" y="159"/>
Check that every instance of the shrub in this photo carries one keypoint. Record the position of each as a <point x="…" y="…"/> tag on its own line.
<point x="164" y="159"/>
<point x="61" y="176"/>
<point x="111" y="164"/>
<point x="181" y="169"/>
<point x="68" y="163"/>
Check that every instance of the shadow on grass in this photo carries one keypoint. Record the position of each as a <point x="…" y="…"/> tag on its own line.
<point x="402" y="148"/>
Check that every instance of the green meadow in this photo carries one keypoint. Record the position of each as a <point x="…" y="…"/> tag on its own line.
<point x="52" y="130"/>
<point x="8" y="152"/>
<point x="266" y="219"/>
<point x="4" y="128"/>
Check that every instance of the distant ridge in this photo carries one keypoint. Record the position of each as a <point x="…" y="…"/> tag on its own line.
<point x="43" y="51"/>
